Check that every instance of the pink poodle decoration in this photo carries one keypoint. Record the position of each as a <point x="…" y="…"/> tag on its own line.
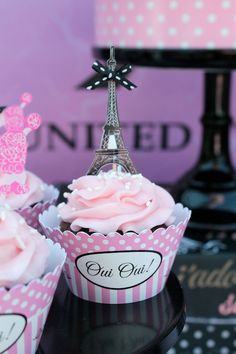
<point x="13" y="145"/>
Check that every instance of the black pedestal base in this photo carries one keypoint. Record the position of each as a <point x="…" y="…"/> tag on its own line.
<point x="76" y="326"/>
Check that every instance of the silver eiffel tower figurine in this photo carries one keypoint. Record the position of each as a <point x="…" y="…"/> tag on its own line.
<point x="112" y="149"/>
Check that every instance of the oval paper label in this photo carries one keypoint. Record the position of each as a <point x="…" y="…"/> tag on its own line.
<point x="11" y="328"/>
<point x="120" y="269"/>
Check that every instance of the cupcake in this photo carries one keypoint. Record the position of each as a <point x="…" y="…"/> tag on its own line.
<point x="30" y="267"/>
<point x="20" y="189"/>
<point x="121" y="232"/>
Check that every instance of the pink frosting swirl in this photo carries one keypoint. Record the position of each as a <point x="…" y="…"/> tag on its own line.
<point x="23" y="251"/>
<point x="110" y="202"/>
<point x="33" y="195"/>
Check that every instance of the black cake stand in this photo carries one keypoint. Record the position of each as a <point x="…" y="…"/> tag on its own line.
<point x="209" y="188"/>
<point x="76" y="326"/>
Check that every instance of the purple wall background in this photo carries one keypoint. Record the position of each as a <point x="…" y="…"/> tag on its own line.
<point x="45" y="49"/>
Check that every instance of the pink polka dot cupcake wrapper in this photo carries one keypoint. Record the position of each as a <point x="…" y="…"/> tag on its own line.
<point x="24" y="308"/>
<point x="116" y="268"/>
<point x="31" y="214"/>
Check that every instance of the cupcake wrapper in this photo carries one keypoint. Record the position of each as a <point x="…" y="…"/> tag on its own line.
<point x="31" y="214"/>
<point x="116" y="268"/>
<point x="24" y="308"/>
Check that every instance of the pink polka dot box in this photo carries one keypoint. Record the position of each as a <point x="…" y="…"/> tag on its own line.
<point x="115" y="268"/>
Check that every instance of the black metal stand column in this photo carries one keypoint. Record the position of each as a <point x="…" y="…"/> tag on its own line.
<point x="209" y="189"/>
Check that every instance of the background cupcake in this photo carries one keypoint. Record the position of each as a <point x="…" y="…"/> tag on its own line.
<point x="30" y="267"/>
<point x="21" y="190"/>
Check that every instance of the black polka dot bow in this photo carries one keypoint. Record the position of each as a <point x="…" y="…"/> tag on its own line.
<point x="111" y="74"/>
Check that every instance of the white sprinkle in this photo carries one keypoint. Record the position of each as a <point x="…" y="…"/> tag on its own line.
<point x="95" y="63"/>
<point x="65" y="194"/>
<point x="127" y="186"/>
<point x="104" y="78"/>
<point x="88" y="87"/>
<point x="124" y="70"/>
<point x="132" y="87"/>
<point x="110" y="75"/>
<point x="117" y="77"/>
<point x="125" y="82"/>
<point x="102" y="69"/>
<point x="97" y="83"/>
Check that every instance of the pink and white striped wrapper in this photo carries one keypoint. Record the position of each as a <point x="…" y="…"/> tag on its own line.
<point x="116" y="268"/>
<point x="24" y="308"/>
<point x="31" y="214"/>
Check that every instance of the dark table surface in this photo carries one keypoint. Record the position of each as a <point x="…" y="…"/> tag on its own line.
<point x="77" y="326"/>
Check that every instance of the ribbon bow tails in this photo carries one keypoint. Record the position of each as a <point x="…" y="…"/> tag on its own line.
<point x="109" y="74"/>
